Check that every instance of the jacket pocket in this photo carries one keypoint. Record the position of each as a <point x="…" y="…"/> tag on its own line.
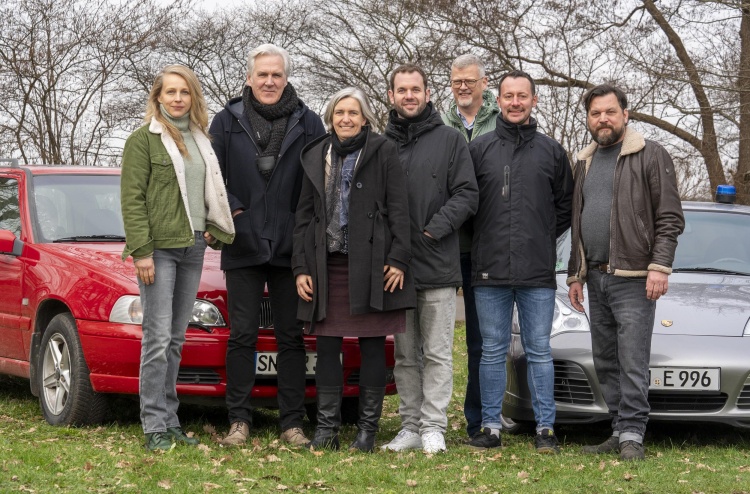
<point x="643" y="230"/>
<point x="162" y="168"/>
<point x="245" y="242"/>
<point x="287" y="234"/>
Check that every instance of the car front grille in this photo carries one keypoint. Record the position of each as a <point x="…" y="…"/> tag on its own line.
<point x="197" y="376"/>
<point x="571" y="384"/>
<point x="686" y="402"/>
<point x="266" y="317"/>
<point x="743" y="400"/>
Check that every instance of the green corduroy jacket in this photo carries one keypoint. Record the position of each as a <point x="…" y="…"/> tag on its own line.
<point x="154" y="197"/>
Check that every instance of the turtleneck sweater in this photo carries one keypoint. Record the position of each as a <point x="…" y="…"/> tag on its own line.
<point x="195" y="171"/>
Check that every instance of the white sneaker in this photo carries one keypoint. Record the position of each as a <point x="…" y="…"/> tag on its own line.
<point x="404" y="440"/>
<point x="433" y="442"/>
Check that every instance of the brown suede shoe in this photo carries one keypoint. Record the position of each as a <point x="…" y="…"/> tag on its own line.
<point x="237" y="434"/>
<point x="294" y="436"/>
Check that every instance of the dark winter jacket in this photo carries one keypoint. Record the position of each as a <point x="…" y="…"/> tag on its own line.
<point x="264" y="228"/>
<point x="378" y="229"/>
<point x="442" y="195"/>
<point x="646" y="216"/>
<point x="525" y="194"/>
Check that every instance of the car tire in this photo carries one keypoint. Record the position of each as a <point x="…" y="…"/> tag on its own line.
<point x="514" y="427"/>
<point x="65" y="392"/>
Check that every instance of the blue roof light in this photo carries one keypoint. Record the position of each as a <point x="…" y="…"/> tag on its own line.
<point x="726" y="194"/>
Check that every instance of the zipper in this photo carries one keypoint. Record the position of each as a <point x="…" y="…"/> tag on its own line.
<point x="506" y="183"/>
<point x="615" y="183"/>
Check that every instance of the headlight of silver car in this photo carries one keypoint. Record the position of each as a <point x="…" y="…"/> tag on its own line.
<point x="567" y="319"/>
<point x="128" y="310"/>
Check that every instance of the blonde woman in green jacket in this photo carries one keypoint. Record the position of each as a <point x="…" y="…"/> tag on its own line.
<point x="173" y="205"/>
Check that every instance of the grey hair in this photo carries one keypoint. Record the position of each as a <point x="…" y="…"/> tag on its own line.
<point x="269" y="49"/>
<point x="467" y="60"/>
<point x="349" y="92"/>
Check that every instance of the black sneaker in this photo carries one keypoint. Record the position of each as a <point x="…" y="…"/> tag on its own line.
<point x="485" y="440"/>
<point x="546" y="442"/>
<point x="611" y="445"/>
<point x="632" y="451"/>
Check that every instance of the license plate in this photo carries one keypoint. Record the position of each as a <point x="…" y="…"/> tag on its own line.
<point x="684" y="379"/>
<point x="266" y="363"/>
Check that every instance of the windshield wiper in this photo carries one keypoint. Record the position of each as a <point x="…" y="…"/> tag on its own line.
<point x="708" y="270"/>
<point x="88" y="238"/>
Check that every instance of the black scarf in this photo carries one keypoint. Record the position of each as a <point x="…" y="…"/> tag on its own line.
<point x="350" y="144"/>
<point x="269" y="122"/>
<point x="405" y="122"/>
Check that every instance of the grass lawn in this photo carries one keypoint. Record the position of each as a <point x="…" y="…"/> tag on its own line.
<point x="35" y="457"/>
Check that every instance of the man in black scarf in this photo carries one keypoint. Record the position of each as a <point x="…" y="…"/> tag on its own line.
<point x="258" y="138"/>
<point x="443" y="194"/>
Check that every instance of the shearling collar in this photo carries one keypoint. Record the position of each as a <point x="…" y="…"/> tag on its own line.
<point x="633" y="143"/>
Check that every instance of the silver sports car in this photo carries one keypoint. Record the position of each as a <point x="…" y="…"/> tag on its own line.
<point x="700" y="352"/>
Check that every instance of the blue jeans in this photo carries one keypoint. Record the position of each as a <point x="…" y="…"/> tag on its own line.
<point x="473" y="399"/>
<point x="536" y="308"/>
<point x="167" y="308"/>
<point x="622" y="322"/>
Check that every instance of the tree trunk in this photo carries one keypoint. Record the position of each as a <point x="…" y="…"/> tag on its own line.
<point x="742" y="175"/>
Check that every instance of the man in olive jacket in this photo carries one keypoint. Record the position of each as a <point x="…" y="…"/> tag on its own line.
<point x="473" y="112"/>
<point x="258" y="138"/>
<point x="627" y="216"/>
<point x="525" y="192"/>
<point x="442" y="195"/>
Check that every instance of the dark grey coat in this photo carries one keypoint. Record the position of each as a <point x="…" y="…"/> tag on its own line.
<point x="442" y="193"/>
<point x="378" y="229"/>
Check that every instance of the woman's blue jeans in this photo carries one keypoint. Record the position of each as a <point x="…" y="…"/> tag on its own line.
<point x="167" y="307"/>
<point x="535" y="311"/>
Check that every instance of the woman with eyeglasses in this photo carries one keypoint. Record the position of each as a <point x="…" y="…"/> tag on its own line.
<point x="351" y="254"/>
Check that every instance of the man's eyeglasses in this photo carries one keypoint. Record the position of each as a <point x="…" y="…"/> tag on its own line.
<point x="470" y="83"/>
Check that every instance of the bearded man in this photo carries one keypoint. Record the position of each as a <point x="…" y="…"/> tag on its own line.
<point x="627" y="216"/>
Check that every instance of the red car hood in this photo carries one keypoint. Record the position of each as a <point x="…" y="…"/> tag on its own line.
<point x="105" y="258"/>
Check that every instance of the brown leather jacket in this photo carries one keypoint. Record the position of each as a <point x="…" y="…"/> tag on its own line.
<point x="646" y="211"/>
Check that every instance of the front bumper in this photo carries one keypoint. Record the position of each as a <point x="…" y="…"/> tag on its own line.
<point x="579" y="400"/>
<point x="112" y="352"/>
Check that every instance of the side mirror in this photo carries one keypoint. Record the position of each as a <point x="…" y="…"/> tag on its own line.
<point x="9" y="244"/>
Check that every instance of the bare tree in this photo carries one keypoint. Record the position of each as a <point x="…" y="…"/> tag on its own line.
<point x="684" y="63"/>
<point x="215" y="45"/>
<point x="66" y="90"/>
<point x="360" y="42"/>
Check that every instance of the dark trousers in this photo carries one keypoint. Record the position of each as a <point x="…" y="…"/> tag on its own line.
<point x="622" y="322"/>
<point x="329" y="371"/>
<point x="473" y="400"/>
<point x="245" y="288"/>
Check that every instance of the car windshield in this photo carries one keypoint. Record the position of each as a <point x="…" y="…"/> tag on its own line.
<point x="713" y="241"/>
<point x="75" y="208"/>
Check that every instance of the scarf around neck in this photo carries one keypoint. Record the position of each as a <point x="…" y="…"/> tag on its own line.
<point x="269" y="123"/>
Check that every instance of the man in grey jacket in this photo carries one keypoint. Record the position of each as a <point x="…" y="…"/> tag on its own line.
<point x="627" y="216"/>
<point x="473" y="113"/>
<point x="442" y="195"/>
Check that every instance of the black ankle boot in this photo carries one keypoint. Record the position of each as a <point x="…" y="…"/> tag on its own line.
<point x="329" y="418"/>
<point x="370" y="408"/>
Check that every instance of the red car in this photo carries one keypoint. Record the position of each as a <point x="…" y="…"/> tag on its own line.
<point x="70" y="312"/>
